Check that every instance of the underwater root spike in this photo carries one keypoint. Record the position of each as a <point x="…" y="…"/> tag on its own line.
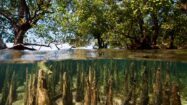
<point x="130" y="87"/>
<point x="27" y="88"/>
<point x="144" y="98"/>
<point x="175" y="98"/>
<point x="31" y="90"/>
<point x="12" y="90"/>
<point x="94" y="91"/>
<point x="42" y="92"/>
<point x="126" y="82"/>
<point x="128" y="98"/>
<point x="158" y="88"/>
<point x="109" y="100"/>
<point x="80" y="86"/>
<point x="87" y="98"/>
<point x="5" y="89"/>
<point x="166" y="89"/>
<point x="91" y="89"/>
<point x="36" y="89"/>
<point x="66" y="90"/>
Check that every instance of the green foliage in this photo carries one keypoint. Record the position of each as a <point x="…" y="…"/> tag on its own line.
<point x="5" y="33"/>
<point x="18" y="16"/>
<point x="117" y="23"/>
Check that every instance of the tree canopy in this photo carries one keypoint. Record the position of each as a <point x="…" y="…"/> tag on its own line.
<point x="131" y="24"/>
<point x="22" y="15"/>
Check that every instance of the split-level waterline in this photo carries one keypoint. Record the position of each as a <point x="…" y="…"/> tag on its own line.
<point x="102" y="77"/>
<point x="94" y="82"/>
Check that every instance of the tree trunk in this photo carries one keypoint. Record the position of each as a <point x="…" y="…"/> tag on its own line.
<point x="143" y="42"/>
<point x="19" y="36"/>
<point x="2" y="44"/>
<point x="23" y="19"/>
<point x="155" y="29"/>
<point x="19" y="32"/>
<point x="101" y="43"/>
<point x="141" y="23"/>
<point x="171" y="44"/>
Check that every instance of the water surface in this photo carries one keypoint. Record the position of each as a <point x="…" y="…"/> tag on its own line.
<point x="138" y="70"/>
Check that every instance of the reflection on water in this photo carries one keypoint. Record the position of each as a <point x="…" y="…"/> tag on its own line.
<point x="92" y="77"/>
<point x="11" y="55"/>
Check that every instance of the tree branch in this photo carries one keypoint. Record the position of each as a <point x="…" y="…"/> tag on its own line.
<point x="32" y="44"/>
<point x="24" y="11"/>
<point x="7" y="15"/>
<point x="21" y="47"/>
<point x="57" y="47"/>
<point x="40" y="11"/>
<point x="27" y="10"/>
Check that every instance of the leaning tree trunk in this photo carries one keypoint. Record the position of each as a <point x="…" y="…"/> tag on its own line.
<point x="19" y="36"/>
<point x="20" y="31"/>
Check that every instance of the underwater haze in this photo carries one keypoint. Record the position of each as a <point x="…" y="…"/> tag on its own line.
<point x="93" y="77"/>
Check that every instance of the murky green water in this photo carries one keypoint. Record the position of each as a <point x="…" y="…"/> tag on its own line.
<point x="90" y="77"/>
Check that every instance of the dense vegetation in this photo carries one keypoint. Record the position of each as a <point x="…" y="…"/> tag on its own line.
<point x="132" y="24"/>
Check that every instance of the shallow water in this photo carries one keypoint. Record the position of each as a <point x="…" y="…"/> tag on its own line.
<point x="24" y="56"/>
<point x="141" y="71"/>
